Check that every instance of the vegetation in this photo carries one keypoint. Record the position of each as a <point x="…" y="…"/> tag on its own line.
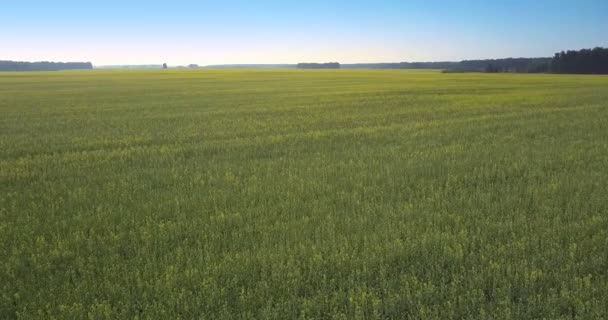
<point x="517" y="65"/>
<point x="329" y="65"/>
<point x="282" y="194"/>
<point x="594" y="61"/>
<point x="403" y="65"/>
<point x="586" y="61"/>
<point x="42" y="66"/>
<point x="252" y="66"/>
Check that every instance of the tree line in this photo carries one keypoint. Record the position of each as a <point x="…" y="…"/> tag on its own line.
<point x="403" y="65"/>
<point x="329" y="65"/>
<point x="519" y="65"/>
<point x="6" y="65"/>
<point x="585" y="61"/>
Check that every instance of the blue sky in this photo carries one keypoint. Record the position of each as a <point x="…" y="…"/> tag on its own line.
<point x="273" y="31"/>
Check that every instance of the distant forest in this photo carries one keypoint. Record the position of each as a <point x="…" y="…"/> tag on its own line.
<point x="586" y="61"/>
<point x="403" y="65"/>
<point x="329" y="65"/>
<point x="42" y="66"/>
<point x="519" y="65"/>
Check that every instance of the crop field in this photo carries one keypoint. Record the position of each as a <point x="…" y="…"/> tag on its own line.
<point x="303" y="194"/>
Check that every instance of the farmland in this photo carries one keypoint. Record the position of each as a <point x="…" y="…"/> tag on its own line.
<point x="303" y="194"/>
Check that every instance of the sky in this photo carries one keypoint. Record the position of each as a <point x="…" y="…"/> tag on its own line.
<point x="179" y="32"/>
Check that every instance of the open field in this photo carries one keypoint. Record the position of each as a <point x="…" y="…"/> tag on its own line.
<point x="285" y="194"/>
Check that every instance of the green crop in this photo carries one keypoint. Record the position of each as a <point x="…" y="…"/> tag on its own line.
<point x="303" y="194"/>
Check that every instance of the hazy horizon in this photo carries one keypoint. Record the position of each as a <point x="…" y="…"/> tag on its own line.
<point x="275" y="32"/>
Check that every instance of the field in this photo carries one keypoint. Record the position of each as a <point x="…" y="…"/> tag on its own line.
<point x="302" y="194"/>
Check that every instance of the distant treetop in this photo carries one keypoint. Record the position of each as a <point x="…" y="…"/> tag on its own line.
<point x="42" y="66"/>
<point x="586" y="61"/>
<point x="329" y="65"/>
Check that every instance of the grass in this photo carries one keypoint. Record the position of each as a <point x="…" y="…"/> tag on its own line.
<point x="291" y="194"/>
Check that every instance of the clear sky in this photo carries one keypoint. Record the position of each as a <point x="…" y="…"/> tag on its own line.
<point x="273" y="31"/>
